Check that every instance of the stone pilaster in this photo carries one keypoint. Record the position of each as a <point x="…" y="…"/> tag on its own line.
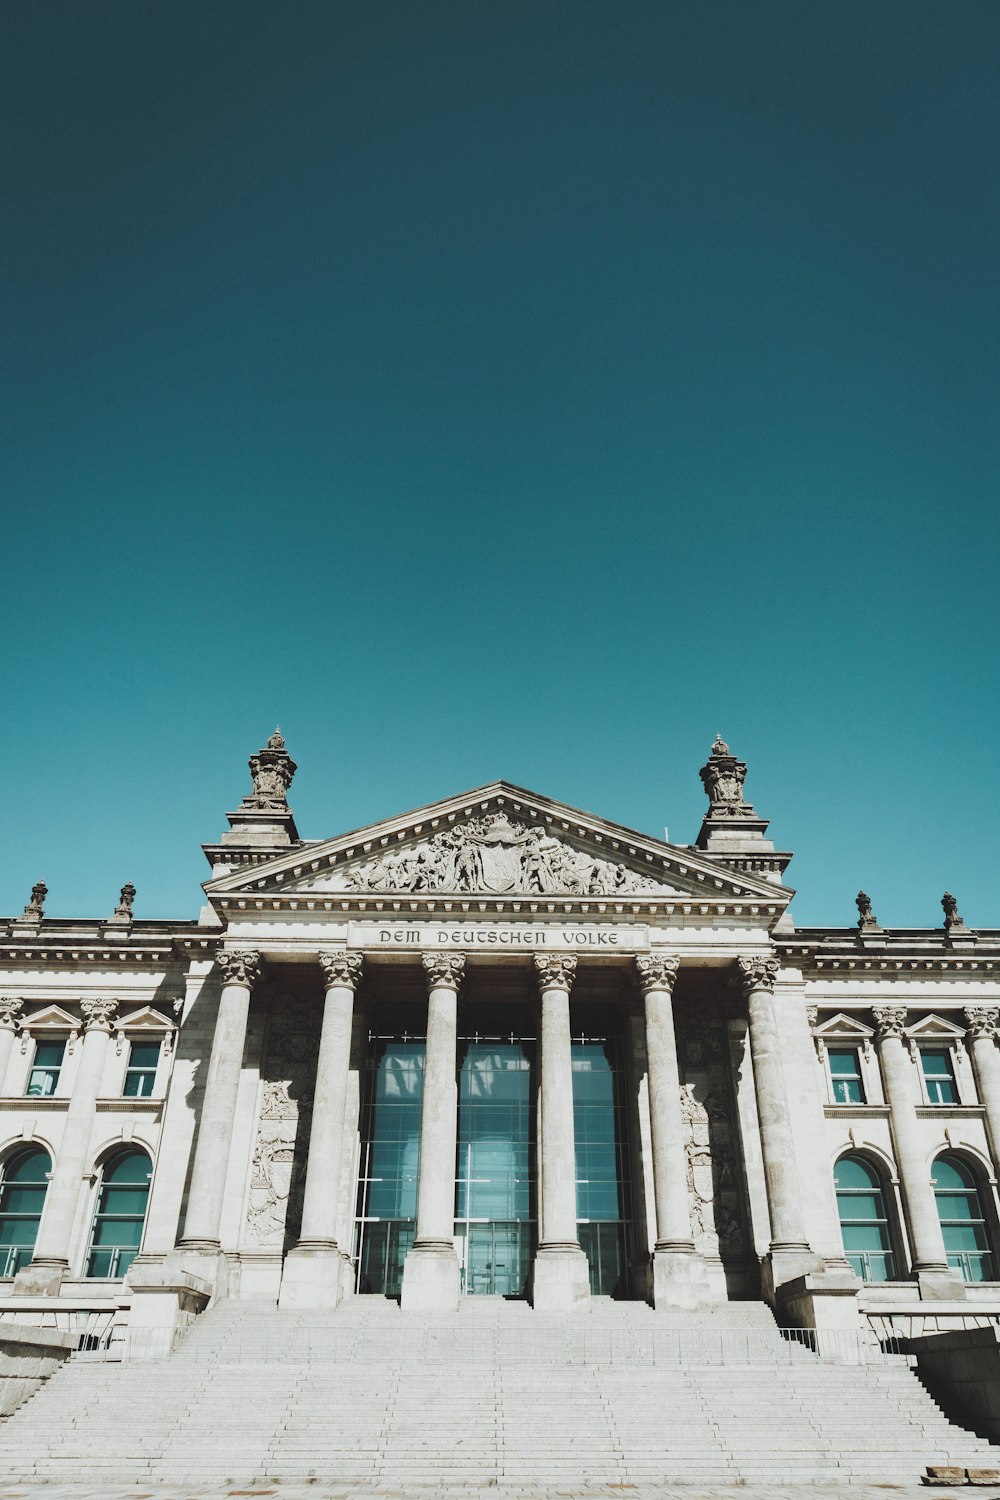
<point x="679" y="1278"/>
<point x="239" y="970"/>
<point x="983" y="1023"/>
<point x="930" y="1263"/>
<point x="431" y="1273"/>
<point x="560" y="1277"/>
<point x="50" y="1262"/>
<point x="311" y="1276"/>
<point x="11" y="1007"/>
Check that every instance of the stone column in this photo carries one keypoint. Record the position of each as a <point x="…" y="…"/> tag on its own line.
<point x="10" y="1018"/>
<point x="983" y="1023"/>
<point x="50" y="1262"/>
<point x="312" y="1271"/>
<point x="240" y="970"/>
<point x="789" y="1255"/>
<point x="431" y="1274"/>
<point x="930" y="1262"/>
<point x="351" y="1151"/>
<point x="679" y="1278"/>
<point x="561" y="1276"/>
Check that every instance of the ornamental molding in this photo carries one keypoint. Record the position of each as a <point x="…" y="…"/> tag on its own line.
<point x="238" y="965"/>
<point x="657" y="973"/>
<point x="342" y="970"/>
<point x="11" y="1007"/>
<point x="890" y="1021"/>
<point x="554" y="973"/>
<point x="756" y="974"/>
<point x="982" y="1021"/>
<point x="443" y="971"/>
<point x="98" y="1013"/>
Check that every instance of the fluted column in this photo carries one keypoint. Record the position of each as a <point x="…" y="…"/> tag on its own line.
<point x="50" y="1262"/>
<point x="561" y="1276"/>
<point x="431" y="1274"/>
<point x="930" y="1261"/>
<point x="983" y="1023"/>
<point x="311" y="1275"/>
<point x="11" y="1007"/>
<point x="240" y="970"/>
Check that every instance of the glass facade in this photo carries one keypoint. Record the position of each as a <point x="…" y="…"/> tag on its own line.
<point x="390" y="1157"/>
<point x="121" y="1213"/>
<point x="22" y="1197"/>
<point x="600" y="1125"/>
<point x="864" y="1223"/>
<point x="963" y="1225"/>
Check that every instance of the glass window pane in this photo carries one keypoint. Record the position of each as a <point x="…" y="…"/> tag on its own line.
<point x="144" y="1055"/>
<point x="49" y="1054"/>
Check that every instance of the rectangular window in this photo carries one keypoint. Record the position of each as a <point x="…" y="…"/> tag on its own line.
<point x="845" y="1075"/>
<point x="140" y="1075"/>
<point x="939" y="1080"/>
<point x="45" y="1069"/>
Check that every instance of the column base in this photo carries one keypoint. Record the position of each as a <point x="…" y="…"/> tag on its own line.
<point x="311" y="1277"/>
<point x="40" y="1279"/>
<point x="680" y="1280"/>
<point x="347" y="1287"/>
<point x="560" y="1279"/>
<point x="205" y="1264"/>
<point x="941" y="1284"/>
<point x="431" y="1279"/>
<point x="784" y="1263"/>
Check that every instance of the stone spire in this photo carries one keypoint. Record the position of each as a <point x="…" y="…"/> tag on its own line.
<point x="263" y="821"/>
<point x="731" y="831"/>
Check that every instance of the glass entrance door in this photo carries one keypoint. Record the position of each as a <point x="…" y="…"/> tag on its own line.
<point x="494" y="1230"/>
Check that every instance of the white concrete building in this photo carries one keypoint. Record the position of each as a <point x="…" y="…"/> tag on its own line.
<point x="498" y="1046"/>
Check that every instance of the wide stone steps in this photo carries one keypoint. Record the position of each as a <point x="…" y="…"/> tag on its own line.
<point x="494" y="1395"/>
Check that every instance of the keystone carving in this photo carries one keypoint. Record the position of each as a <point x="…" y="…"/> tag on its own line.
<point x="342" y="969"/>
<point x="98" y="1013"/>
<point x="982" y="1021"/>
<point x="756" y="974"/>
<point x="444" y="970"/>
<point x="11" y="1007"/>
<point x="238" y="966"/>
<point x="554" y="973"/>
<point x="889" y="1020"/>
<point x="35" y="909"/>
<point x="657" y="973"/>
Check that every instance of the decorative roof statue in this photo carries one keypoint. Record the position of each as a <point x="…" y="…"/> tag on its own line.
<point x="951" y="914"/>
<point x="723" y="777"/>
<point x="124" y="907"/>
<point x="866" y="917"/>
<point x="35" y="909"/>
<point x="272" y="769"/>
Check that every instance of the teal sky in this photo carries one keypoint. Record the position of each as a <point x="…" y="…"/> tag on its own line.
<point x="500" y="389"/>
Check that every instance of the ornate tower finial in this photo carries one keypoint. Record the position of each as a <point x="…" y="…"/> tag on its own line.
<point x="722" y="777"/>
<point x="951" y="913"/>
<point x="866" y="917"/>
<point x="127" y="896"/>
<point x="272" y="769"/>
<point x="35" y="909"/>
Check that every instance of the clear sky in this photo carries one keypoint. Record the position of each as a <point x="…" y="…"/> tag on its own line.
<point x="501" y="388"/>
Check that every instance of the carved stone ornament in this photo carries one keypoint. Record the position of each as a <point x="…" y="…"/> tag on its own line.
<point x="723" y="776"/>
<point x="443" y="970"/>
<point x="238" y="966"/>
<point x="554" y="973"/>
<point x="98" y="1013"/>
<point x="812" y="1015"/>
<point x="890" y="1020"/>
<point x="342" y="969"/>
<point x="11" y="1007"/>
<point x="982" y="1020"/>
<point x="494" y="855"/>
<point x="271" y="769"/>
<point x="124" y="907"/>
<point x="756" y="974"/>
<point x="35" y="909"/>
<point x="949" y="906"/>
<point x="866" y="917"/>
<point x="657" y="973"/>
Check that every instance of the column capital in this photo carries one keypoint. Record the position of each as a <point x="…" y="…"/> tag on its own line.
<point x="889" y="1020"/>
<point x="98" y="1013"/>
<point x="756" y="974"/>
<point x="342" y="970"/>
<point x="11" y="1007"/>
<point x="554" y="973"/>
<point x="657" y="973"/>
<point x="982" y="1020"/>
<point x="238" y="965"/>
<point x="443" y="971"/>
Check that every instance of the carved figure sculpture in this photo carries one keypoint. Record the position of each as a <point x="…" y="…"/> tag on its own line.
<point x="950" y="908"/>
<point x="723" y="776"/>
<point x="36" y="906"/>
<point x="866" y="917"/>
<point x="124" y="907"/>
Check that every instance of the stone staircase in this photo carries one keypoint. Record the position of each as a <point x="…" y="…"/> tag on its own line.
<point x="492" y="1395"/>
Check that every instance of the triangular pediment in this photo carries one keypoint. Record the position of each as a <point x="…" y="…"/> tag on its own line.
<point x="51" y="1018"/>
<point x="146" y="1019"/>
<point x="934" y="1028"/>
<point x="501" y="842"/>
<point x="843" y="1027"/>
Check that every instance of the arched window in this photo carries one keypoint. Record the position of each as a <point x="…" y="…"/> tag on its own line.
<point x="864" y="1223"/>
<point x="22" y="1197"/>
<point x="960" y="1210"/>
<point x="121" y="1213"/>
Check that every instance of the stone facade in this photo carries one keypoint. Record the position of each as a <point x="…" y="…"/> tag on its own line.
<point x="805" y="1116"/>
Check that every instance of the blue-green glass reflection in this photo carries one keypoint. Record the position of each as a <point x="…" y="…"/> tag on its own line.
<point x="390" y="1161"/>
<point x="601" y="1140"/>
<point x="495" y="1169"/>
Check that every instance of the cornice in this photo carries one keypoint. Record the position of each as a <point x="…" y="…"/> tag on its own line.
<point x="351" y="903"/>
<point x="916" y="950"/>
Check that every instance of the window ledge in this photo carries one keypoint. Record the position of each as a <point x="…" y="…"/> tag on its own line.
<point x="960" y="1111"/>
<point x="144" y="1105"/>
<point x="856" y="1111"/>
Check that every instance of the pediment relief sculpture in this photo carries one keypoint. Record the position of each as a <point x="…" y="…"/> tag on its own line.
<point x="494" y="855"/>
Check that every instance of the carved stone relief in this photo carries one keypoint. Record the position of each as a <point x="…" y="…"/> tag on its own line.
<point x="494" y="855"/>
<point x="718" y="1224"/>
<point x="277" y="1176"/>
